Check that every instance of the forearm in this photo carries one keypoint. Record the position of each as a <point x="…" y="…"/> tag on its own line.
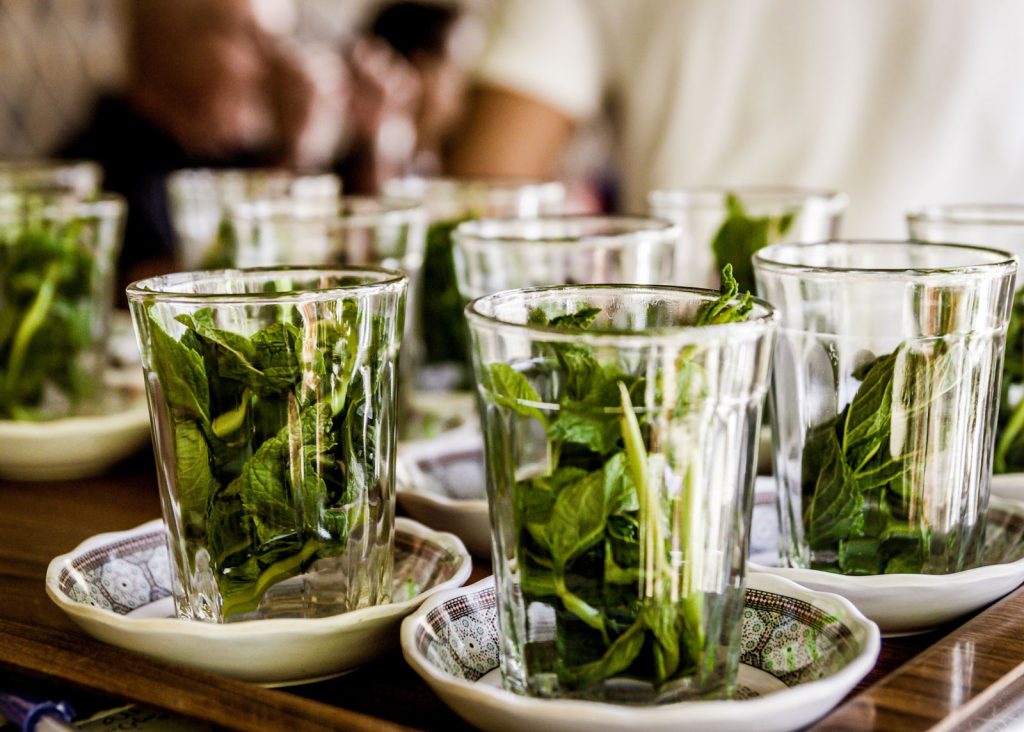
<point x="508" y="134"/>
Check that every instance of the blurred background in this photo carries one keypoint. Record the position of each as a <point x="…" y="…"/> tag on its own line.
<point x="895" y="106"/>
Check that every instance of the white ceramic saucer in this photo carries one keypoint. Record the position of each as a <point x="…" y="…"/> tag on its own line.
<point x="902" y="604"/>
<point x="1008" y="485"/>
<point x="441" y="482"/>
<point x="802" y="652"/>
<point x="116" y="587"/>
<point x="79" y="447"/>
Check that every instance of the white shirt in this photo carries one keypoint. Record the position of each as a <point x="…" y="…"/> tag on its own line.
<point x="897" y="103"/>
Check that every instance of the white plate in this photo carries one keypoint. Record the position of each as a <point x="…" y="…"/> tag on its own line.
<point x="441" y="482"/>
<point x="1008" y="485"/>
<point x="116" y="587"/>
<point x="914" y="603"/>
<point x="79" y="447"/>
<point x="818" y="645"/>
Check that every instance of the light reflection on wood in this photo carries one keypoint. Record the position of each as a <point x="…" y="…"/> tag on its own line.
<point x="951" y="683"/>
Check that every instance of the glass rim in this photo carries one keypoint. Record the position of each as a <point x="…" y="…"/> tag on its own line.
<point x="288" y="208"/>
<point x="978" y="214"/>
<point x="712" y="197"/>
<point x="158" y="287"/>
<point x="474" y="182"/>
<point x="753" y="326"/>
<point x="1003" y="262"/>
<point x="472" y="234"/>
<point x="178" y="181"/>
<point x="64" y="204"/>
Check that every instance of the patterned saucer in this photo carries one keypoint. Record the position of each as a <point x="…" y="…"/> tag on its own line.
<point x="904" y="604"/>
<point x="802" y="652"/>
<point x="441" y="482"/>
<point x="117" y="588"/>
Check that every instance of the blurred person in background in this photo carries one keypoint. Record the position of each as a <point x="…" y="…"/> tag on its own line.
<point x="55" y="59"/>
<point x="894" y="104"/>
<point x="207" y="86"/>
<point x="408" y="83"/>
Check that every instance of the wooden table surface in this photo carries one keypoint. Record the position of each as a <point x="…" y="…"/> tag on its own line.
<point x="959" y="678"/>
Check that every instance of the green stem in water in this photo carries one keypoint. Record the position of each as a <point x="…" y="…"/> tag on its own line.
<point x="30" y="324"/>
<point x="636" y="455"/>
<point x="1009" y="435"/>
<point x="246" y="602"/>
<point x="230" y="421"/>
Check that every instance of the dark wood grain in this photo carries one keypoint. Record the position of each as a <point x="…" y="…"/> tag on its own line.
<point x="946" y="680"/>
<point x="212" y="698"/>
<point x="917" y="680"/>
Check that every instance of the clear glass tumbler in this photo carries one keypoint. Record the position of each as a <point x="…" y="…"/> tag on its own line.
<point x="352" y="230"/>
<point x="200" y="200"/>
<point x="501" y="254"/>
<point x="620" y="427"/>
<point x="79" y="178"/>
<point x="1001" y="226"/>
<point x="449" y="202"/>
<point x="885" y="393"/>
<point x="272" y="401"/>
<point x="57" y="258"/>
<point x="720" y="226"/>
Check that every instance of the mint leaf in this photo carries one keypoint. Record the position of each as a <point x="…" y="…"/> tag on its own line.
<point x="740" y="236"/>
<point x="182" y="374"/>
<point x="510" y="389"/>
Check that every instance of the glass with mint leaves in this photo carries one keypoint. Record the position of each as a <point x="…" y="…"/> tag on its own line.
<point x="272" y="400"/>
<point x="200" y="201"/>
<point x="885" y="396"/>
<point x="57" y="258"/>
<point x="449" y="202"/>
<point x="720" y="226"/>
<point x="620" y="427"/>
<point x="1001" y="226"/>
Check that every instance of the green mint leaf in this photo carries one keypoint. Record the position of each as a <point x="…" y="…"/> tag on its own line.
<point x="730" y="307"/>
<point x="195" y="485"/>
<point x="580" y="319"/>
<point x="510" y="389"/>
<point x="182" y="374"/>
<point x="740" y="236"/>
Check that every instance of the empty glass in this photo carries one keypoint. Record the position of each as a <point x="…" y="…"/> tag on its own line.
<point x="200" y="200"/>
<point x="620" y="446"/>
<point x="884" y="399"/>
<point x="57" y="258"/>
<point x="501" y="254"/>
<point x="720" y="226"/>
<point x="1002" y="226"/>
<point x="272" y="401"/>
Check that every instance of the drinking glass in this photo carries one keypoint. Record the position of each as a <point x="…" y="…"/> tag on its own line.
<point x="272" y="402"/>
<point x="57" y="259"/>
<point x="1002" y="226"/>
<point x="448" y="202"/>
<point x="721" y="226"/>
<point x="501" y="254"/>
<point x="620" y="446"/>
<point x="884" y="400"/>
<point x="201" y="198"/>
<point x="80" y="178"/>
